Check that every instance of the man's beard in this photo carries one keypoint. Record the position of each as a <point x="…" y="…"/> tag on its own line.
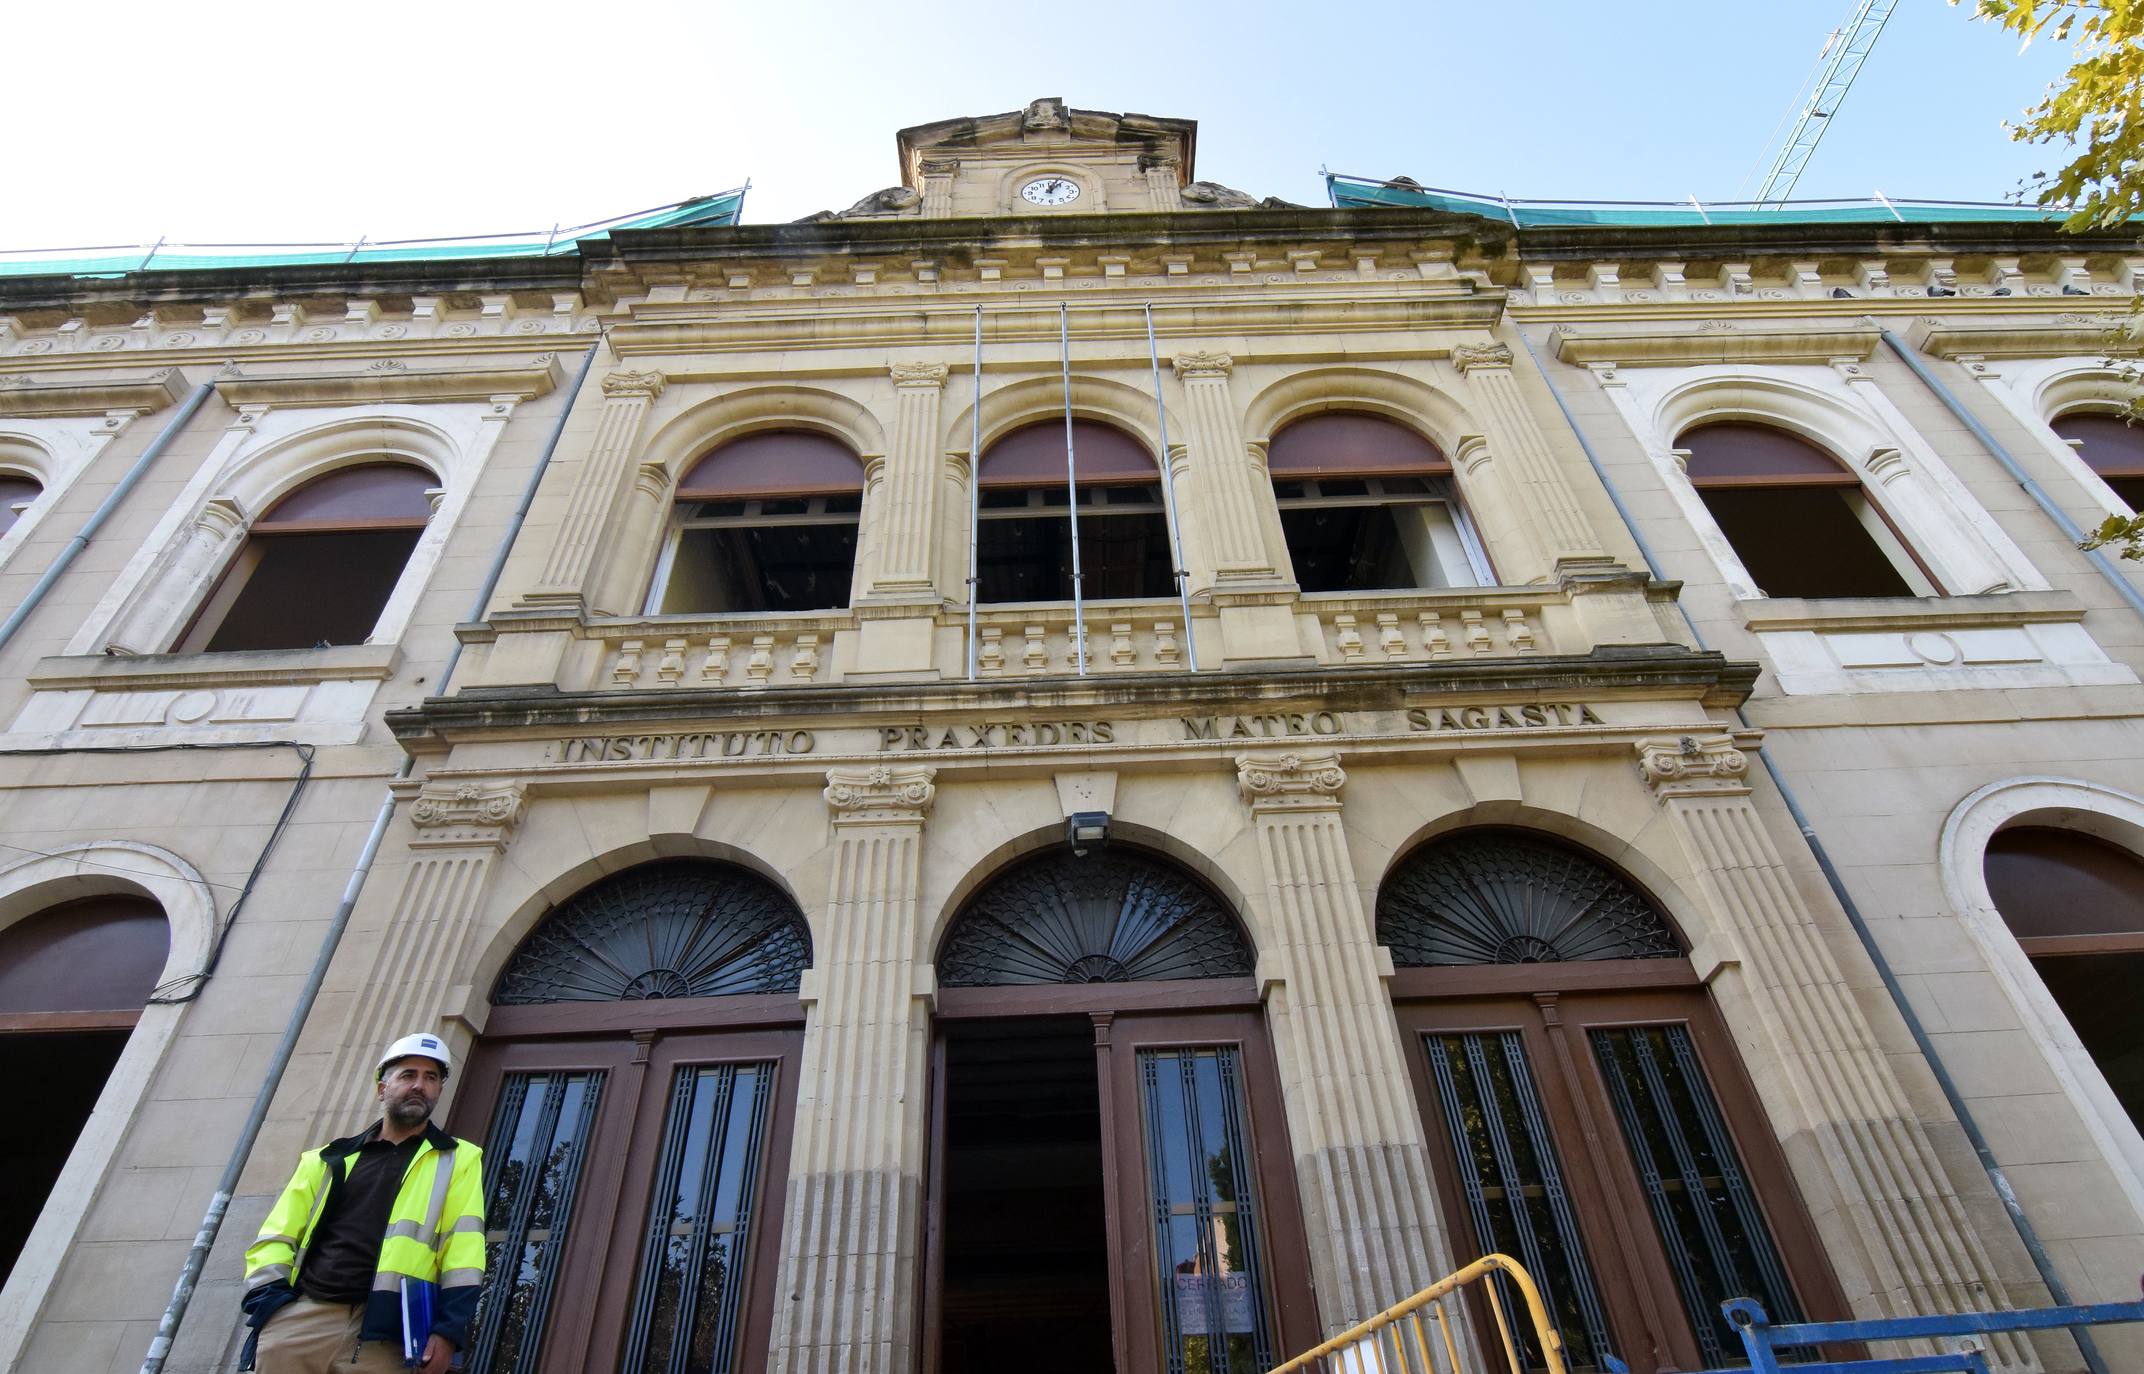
<point x="409" y="1110"/>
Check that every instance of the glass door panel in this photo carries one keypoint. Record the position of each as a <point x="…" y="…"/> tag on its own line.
<point x="690" y="1288"/>
<point x="1206" y="1224"/>
<point x="533" y="1155"/>
<point x="1514" y="1184"/>
<point x="1718" y="1246"/>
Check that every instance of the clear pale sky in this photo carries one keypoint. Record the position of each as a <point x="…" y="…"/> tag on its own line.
<point x="273" y="122"/>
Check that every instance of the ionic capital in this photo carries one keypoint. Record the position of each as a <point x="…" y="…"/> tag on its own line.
<point x="646" y="385"/>
<point x="1190" y="366"/>
<point x="1467" y="357"/>
<point x="467" y="814"/>
<point x="880" y="795"/>
<point x="1290" y="782"/>
<point x="931" y="375"/>
<point x="220" y="518"/>
<point x="1693" y="766"/>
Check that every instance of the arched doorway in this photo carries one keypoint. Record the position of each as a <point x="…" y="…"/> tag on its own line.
<point x="2076" y="904"/>
<point x="1110" y="1177"/>
<point x="1585" y="1110"/>
<point x="73" y="979"/>
<point x="633" y="1092"/>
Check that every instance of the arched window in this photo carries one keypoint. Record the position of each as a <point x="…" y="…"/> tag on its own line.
<point x="1797" y="518"/>
<point x="1109" y="1126"/>
<point x="1368" y="505"/>
<point x="319" y="565"/>
<point x="764" y="523"/>
<point x="578" y="1075"/>
<point x="1024" y="533"/>
<point x="2076" y="905"/>
<point x="1587" y="1113"/>
<point x="73" y="980"/>
<point x="2111" y="446"/>
<point x="17" y="491"/>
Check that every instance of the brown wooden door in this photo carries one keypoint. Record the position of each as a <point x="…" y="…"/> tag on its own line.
<point x="1608" y="1140"/>
<point x="634" y="1189"/>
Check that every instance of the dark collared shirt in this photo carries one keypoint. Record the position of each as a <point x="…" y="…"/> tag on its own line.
<point x="344" y="1257"/>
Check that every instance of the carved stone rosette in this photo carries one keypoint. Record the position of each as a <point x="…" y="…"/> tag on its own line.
<point x="1467" y="357"/>
<point x="918" y="374"/>
<point x="1693" y="766"/>
<point x="1290" y="782"/>
<point x="1189" y="365"/>
<point x="880" y="795"/>
<point x="467" y="814"/>
<point x="649" y="384"/>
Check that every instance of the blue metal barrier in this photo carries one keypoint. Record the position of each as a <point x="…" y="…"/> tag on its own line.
<point x="1764" y="1341"/>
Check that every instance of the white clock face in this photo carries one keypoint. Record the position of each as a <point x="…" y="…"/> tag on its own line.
<point x="1050" y="191"/>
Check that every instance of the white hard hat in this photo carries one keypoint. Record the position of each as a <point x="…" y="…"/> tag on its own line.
<point x="428" y="1046"/>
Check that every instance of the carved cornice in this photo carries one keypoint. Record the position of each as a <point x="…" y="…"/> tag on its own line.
<point x="467" y="814"/>
<point x="1467" y="357"/>
<point x="1693" y="766"/>
<point x="23" y="395"/>
<point x="646" y="385"/>
<point x="930" y="375"/>
<point x="1191" y="365"/>
<point x="880" y="795"/>
<point x="2070" y="335"/>
<point x="1714" y="341"/>
<point x="1290" y="782"/>
<point x="520" y="382"/>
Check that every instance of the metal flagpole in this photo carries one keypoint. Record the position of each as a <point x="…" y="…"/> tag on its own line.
<point x="975" y="498"/>
<point x="1168" y="498"/>
<point x="1079" y="603"/>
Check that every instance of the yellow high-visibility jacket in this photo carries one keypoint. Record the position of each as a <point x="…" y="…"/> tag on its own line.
<point x="435" y="1232"/>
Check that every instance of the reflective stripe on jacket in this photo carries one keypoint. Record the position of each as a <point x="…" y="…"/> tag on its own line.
<point x="435" y="1232"/>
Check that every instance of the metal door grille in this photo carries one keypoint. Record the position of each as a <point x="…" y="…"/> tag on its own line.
<point x="1206" y="1243"/>
<point x="1514" y="1183"/>
<point x="1717" y="1243"/>
<point x="690" y="1287"/>
<point x="534" y="1153"/>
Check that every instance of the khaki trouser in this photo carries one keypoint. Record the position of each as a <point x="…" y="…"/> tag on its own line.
<point x="310" y="1337"/>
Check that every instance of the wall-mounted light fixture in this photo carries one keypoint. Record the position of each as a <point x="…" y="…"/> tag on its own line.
<point x="1085" y="830"/>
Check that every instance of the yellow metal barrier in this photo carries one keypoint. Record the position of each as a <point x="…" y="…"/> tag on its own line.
<point x="1396" y="1341"/>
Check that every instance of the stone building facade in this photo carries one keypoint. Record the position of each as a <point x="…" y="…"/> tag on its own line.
<point x="870" y="946"/>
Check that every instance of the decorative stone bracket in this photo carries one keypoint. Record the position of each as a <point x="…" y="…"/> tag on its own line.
<point x="1290" y="782"/>
<point x="881" y="795"/>
<point x="1693" y="766"/>
<point x="468" y="815"/>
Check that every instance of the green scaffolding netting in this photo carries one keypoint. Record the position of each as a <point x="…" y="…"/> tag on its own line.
<point x="118" y="261"/>
<point x="1359" y="192"/>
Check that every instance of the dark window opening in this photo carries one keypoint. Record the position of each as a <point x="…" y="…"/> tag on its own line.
<point x="1368" y="505"/>
<point x="2112" y="447"/>
<point x="2076" y="904"/>
<point x="1024" y="545"/>
<point x="1803" y="541"/>
<point x="796" y="554"/>
<point x="319" y="566"/>
<point x="16" y="493"/>
<point x="69" y="1070"/>
<point x="1798" y="519"/>
<point x="1026" y="1247"/>
<point x="764" y="523"/>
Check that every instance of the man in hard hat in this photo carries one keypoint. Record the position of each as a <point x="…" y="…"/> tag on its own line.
<point x="372" y="1258"/>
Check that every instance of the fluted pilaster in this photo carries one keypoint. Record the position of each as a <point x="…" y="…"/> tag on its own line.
<point x="1224" y="484"/>
<point x="1816" y="1056"/>
<point x="597" y="486"/>
<point x="1361" y="1160"/>
<point x="909" y="486"/>
<point x="851" y="1233"/>
<point x="1529" y="467"/>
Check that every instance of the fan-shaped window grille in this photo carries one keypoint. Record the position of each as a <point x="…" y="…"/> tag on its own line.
<point x="677" y="928"/>
<point x="1511" y="897"/>
<point x="1113" y="916"/>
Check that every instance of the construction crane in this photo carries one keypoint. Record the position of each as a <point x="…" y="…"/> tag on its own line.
<point x="1837" y="66"/>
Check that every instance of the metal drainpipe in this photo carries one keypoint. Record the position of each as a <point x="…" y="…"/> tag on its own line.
<point x="2056" y="1288"/>
<point x="104" y="511"/>
<point x="2101" y="564"/>
<point x="182" y="1293"/>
